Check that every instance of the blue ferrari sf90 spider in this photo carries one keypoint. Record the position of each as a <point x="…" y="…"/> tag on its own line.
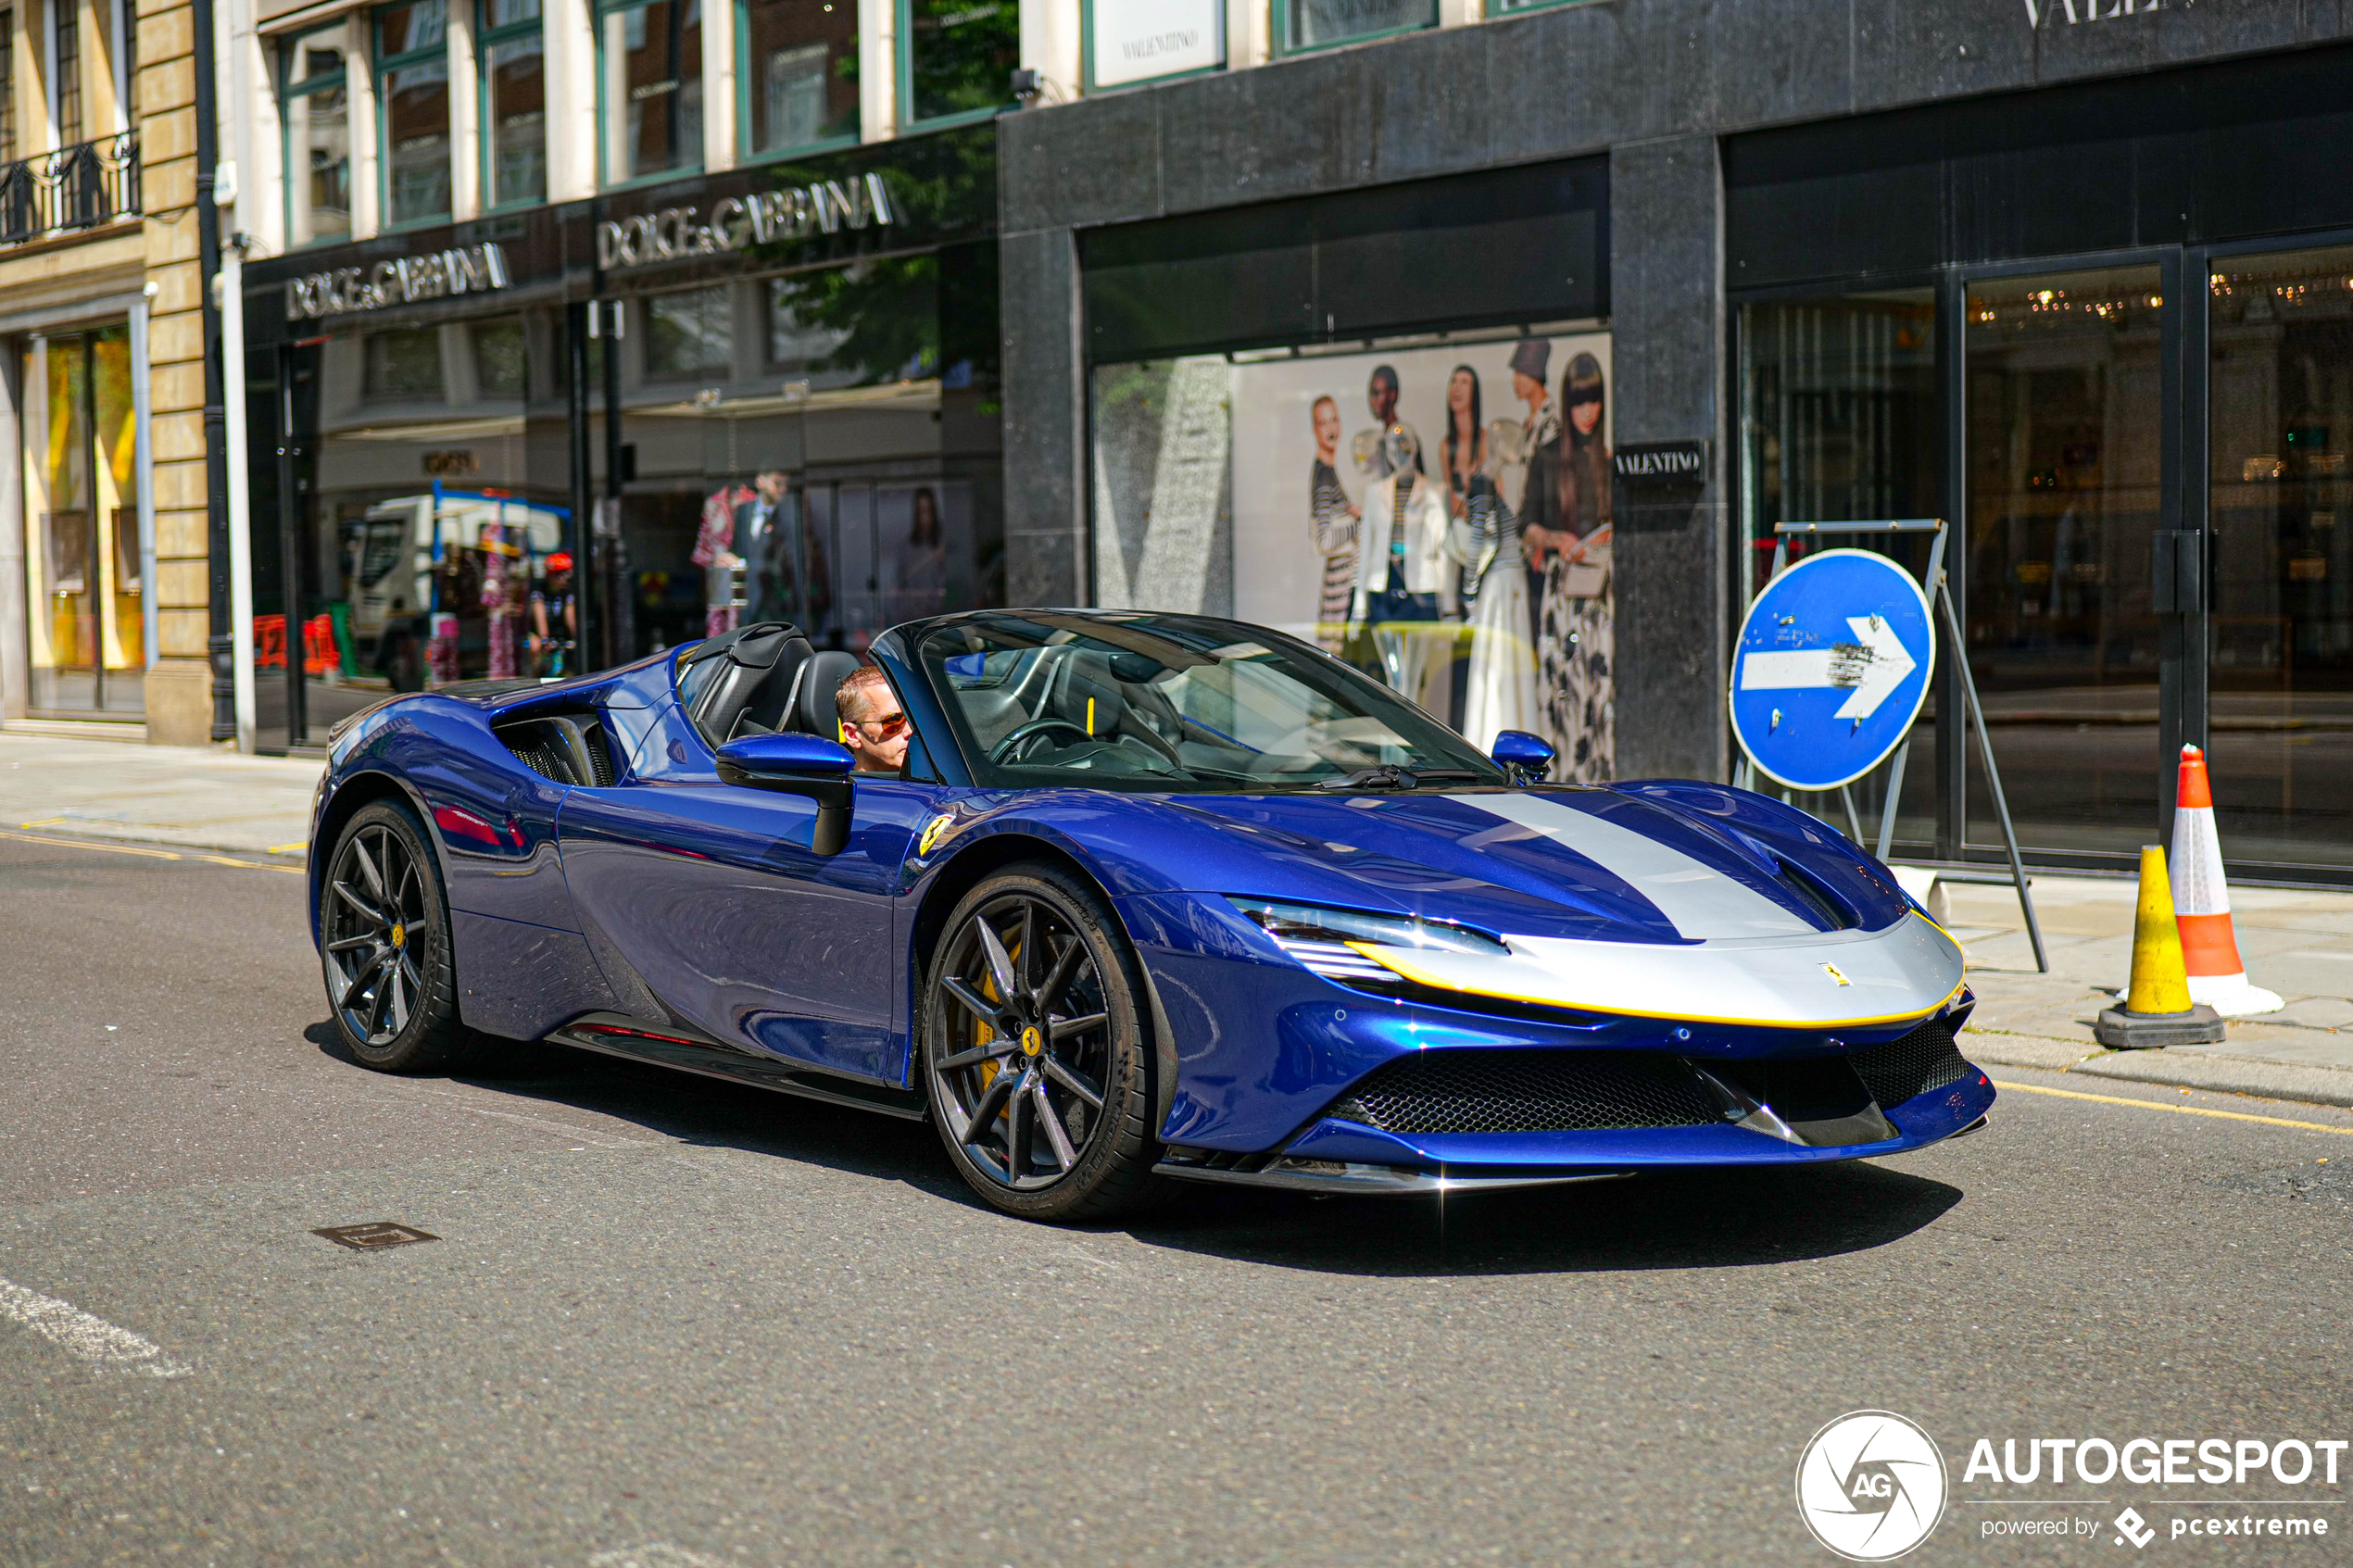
<point x="1144" y="897"/>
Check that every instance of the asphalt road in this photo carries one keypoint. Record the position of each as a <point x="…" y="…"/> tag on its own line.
<point x="679" y="1325"/>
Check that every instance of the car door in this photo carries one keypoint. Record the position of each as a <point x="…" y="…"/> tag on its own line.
<point x="709" y="896"/>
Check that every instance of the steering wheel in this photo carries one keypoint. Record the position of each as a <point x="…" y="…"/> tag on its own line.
<point x="1004" y="751"/>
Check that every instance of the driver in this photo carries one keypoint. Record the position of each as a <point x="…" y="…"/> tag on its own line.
<point x="873" y="725"/>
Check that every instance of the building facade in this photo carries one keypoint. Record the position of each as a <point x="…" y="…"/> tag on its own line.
<point x="1659" y="276"/>
<point x="103" y="584"/>
<point x="575" y="331"/>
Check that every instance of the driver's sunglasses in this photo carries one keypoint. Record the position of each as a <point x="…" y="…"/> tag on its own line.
<point x="890" y="727"/>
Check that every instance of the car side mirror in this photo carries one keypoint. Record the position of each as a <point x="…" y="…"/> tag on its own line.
<point x="796" y="764"/>
<point x="1525" y="759"/>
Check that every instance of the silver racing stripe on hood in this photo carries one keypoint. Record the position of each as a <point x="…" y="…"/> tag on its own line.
<point x="1701" y="902"/>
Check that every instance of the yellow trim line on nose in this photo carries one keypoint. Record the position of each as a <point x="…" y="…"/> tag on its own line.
<point x="1387" y="958"/>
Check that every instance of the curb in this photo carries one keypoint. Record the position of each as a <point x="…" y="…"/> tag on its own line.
<point x="2172" y="1067"/>
<point x="159" y="849"/>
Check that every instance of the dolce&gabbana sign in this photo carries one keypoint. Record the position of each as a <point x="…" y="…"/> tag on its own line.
<point x="465" y="270"/>
<point x="676" y="233"/>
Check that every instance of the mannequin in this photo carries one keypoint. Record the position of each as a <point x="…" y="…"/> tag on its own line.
<point x="1406" y="577"/>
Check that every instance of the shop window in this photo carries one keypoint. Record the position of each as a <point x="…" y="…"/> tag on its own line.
<point x="690" y="333"/>
<point x="2064" y="410"/>
<point x="402" y="364"/>
<point x="86" y="629"/>
<point x="861" y="325"/>
<point x="649" y="88"/>
<point x="1839" y="422"/>
<point x="412" y="105"/>
<point x="2280" y="659"/>
<point x="799" y="74"/>
<point x="316" y="111"/>
<point x="959" y="58"/>
<point x="1441" y="517"/>
<point x="1319" y="24"/>
<point x="426" y="538"/>
<point x="513" y="47"/>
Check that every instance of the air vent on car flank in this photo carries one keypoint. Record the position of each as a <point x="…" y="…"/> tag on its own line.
<point x="569" y="750"/>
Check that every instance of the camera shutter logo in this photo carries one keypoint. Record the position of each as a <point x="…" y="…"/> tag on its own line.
<point x="1872" y="1485"/>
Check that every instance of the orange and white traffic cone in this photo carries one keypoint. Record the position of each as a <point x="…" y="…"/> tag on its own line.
<point x="2202" y="901"/>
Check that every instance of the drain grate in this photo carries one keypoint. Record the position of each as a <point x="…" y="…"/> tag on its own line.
<point x="373" y="1236"/>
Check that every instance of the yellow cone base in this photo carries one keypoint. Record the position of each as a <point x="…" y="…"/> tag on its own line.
<point x="2120" y="1029"/>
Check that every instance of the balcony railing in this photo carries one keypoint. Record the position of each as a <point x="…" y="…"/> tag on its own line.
<point x="82" y="186"/>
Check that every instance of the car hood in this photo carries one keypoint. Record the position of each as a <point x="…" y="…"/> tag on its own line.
<point x="1664" y="864"/>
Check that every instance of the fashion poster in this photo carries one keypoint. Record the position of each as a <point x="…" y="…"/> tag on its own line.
<point x="1440" y="517"/>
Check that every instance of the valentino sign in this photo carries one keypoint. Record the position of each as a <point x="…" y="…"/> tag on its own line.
<point x="676" y="232"/>
<point x="467" y="270"/>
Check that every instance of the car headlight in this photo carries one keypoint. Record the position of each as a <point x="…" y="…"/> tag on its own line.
<point x="1322" y="939"/>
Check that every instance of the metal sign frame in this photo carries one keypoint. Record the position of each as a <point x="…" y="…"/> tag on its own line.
<point x="1934" y="582"/>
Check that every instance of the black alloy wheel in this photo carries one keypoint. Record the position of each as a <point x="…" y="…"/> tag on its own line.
<point x="384" y="941"/>
<point x="1034" y="1050"/>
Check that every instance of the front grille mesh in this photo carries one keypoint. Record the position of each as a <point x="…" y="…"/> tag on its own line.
<point x="1926" y="1058"/>
<point x="1529" y="1091"/>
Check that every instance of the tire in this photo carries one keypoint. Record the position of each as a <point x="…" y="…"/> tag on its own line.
<point x="384" y="945"/>
<point x="1044" y="1104"/>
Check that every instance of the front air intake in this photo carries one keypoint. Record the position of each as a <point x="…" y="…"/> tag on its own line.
<point x="1529" y="1091"/>
<point x="1924" y="1059"/>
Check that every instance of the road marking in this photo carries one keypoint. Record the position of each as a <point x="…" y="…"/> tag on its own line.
<point x="86" y="844"/>
<point x="141" y="849"/>
<point x="2182" y="1110"/>
<point x="249" y="865"/>
<point x="287" y="848"/>
<point x="78" y="1333"/>
<point x="658" y="1554"/>
<point x="41" y="822"/>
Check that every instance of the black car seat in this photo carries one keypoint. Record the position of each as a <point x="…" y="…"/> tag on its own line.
<point x="752" y="686"/>
<point x="814" y="712"/>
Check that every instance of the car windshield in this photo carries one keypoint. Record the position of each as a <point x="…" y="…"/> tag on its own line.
<point x="1176" y="702"/>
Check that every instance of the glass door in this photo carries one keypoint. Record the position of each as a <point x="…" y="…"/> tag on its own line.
<point x="2280" y="638"/>
<point x="87" y="631"/>
<point x="2064" y="408"/>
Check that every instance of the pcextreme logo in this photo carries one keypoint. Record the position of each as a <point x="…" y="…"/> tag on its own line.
<point x="1872" y="1485"/>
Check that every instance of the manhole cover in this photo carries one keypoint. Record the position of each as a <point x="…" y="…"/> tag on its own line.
<point x="373" y="1235"/>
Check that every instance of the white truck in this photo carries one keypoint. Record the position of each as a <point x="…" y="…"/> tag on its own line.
<point x="397" y="559"/>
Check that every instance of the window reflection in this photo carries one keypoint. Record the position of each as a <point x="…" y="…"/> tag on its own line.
<point x="961" y="54"/>
<point x="1839" y="424"/>
<point x="801" y="84"/>
<point x="650" y="92"/>
<point x="514" y="96"/>
<point x="413" y="87"/>
<point x="2064" y="411"/>
<point x="318" y="132"/>
<point x="2280" y="331"/>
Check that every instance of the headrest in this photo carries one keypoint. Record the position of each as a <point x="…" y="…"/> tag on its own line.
<point x="754" y="646"/>
<point x="826" y="672"/>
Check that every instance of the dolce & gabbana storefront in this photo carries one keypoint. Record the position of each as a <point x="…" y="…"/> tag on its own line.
<point x="563" y="438"/>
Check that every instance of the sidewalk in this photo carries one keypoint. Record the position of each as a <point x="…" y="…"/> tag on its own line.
<point x="176" y="795"/>
<point x="2297" y="943"/>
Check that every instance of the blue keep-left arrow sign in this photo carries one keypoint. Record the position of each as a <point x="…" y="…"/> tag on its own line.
<point x="1831" y="666"/>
